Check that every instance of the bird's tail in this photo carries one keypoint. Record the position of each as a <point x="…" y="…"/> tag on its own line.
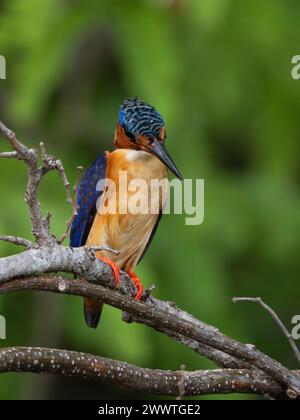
<point x="92" y="312"/>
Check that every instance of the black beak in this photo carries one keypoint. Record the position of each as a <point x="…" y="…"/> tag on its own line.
<point x="159" y="150"/>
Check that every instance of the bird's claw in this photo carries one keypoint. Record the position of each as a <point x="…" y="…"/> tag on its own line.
<point x="114" y="267"/>
<point x="138" y="284"/>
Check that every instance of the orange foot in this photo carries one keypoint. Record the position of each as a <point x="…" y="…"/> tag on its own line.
<point x="137" y="283"/>
<point x="115" y="269"/>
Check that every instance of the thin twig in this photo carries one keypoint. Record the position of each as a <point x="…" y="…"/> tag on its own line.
<point x="181" y="383"/>
<point x="42" y="150"/>
<point x="67" y="230"/>
<point x="275" y="318"/>
<point x="9" y="155"/>
<point x="74" y="208"/>
<point x="62" y="174"/>
<point x="23" y="152"/>
<point x="17" y="241"/>
<point x="50" y="163"/>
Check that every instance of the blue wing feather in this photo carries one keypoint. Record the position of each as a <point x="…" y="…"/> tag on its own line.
<point x="88" y="192"/>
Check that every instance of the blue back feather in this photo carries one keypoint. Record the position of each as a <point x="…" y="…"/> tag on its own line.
<point x="87" y="196"/>
<point x="140" y="118"/>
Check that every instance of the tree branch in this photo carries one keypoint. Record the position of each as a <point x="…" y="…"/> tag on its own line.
<point x="165" y="382"/>
<point x="152" y="314"/>
<point x="40" y="225"/>
<point x="29" y="156"/>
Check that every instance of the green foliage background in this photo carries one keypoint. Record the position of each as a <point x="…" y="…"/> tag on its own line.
<point x="219" y="72"/>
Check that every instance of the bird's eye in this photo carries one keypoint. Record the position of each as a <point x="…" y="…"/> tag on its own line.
<point x="129" y="135"/>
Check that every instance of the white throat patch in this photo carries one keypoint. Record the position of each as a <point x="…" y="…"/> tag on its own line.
<point x="132" y="155"/>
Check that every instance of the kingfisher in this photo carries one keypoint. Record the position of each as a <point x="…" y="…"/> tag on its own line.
<point x="141" y="154"/>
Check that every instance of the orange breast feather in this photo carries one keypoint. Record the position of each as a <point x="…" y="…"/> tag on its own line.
<point x="128" y="233"/>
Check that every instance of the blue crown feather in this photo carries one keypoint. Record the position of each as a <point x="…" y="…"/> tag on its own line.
<point x="140" y="118"/>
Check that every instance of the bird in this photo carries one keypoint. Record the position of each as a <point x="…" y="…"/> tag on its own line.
<point x="141" y="153"/>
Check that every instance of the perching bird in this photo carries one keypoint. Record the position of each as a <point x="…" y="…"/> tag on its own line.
<point x="140" y="151"/>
